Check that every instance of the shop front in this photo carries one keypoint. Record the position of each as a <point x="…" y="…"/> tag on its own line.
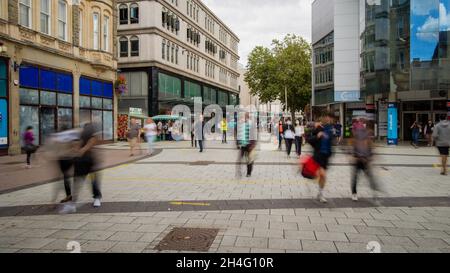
<point x="46" y="101"/>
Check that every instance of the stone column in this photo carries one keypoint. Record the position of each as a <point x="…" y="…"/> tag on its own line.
<point x="14" y="106"/>
<point x="76" y="99"/>
<point x="76" y="25"/>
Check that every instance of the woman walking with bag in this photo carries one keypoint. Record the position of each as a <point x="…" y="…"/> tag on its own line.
<point x="299" y="132"/>
<point x="29" y="147"/>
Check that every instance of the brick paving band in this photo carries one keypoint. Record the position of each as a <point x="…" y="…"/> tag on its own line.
<point x="224" y="205"/>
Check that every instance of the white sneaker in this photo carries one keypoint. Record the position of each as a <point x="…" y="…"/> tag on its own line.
<point x="321" y="198"/>
<point x="97" y="203"/>
<point x="68" y="208"/>
<point x="354" y="197"/>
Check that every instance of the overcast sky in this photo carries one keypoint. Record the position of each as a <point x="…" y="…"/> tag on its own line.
<point x="257" y="22"/>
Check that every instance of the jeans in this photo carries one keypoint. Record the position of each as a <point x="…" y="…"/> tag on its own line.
<point x="83" y="167"/>
<point x="288" y="142"/>
<point x="280" y="139"/>
<point x="245" y="153"/>
<point x="224" y="137"/>
<point x="150" y="140"/>
<point x="415" y="137"/>
<point x="64" y="166"/>
<point x="298" y="145"/>
<point x="200" y="144"/>
<point x="363" y="165"/>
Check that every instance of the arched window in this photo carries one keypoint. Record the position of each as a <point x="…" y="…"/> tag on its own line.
<point x="123" y="14"/>
<point x="134" y="44"/>
<point x="123" y="44"/>
<point x="134" y="13"/>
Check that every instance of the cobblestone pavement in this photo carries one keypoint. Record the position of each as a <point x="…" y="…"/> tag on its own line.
<point x="197" y="182"/>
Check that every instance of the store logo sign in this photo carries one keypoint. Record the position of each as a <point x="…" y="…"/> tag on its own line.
<point x="346" y="95"/>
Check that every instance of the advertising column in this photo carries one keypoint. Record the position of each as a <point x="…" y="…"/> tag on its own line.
<point x="392" y="124"/>
<point x="3" y="104"/>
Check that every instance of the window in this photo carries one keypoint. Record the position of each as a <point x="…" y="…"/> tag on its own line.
<point x="45" y="16"/>
<point x="62" y="20"/>
<point x="25" y="13"/>
<point x="134" y="13"/>
<point x="123" y="14"/>
<point x="123" y="43"/>
<point x="176" y="55"/>
<point x="172" y="57"/>
<point x="106" y="33"/>
<point x="163" y="51"/>
<point x="134" y="41"/>
<point x="96" y="31"/>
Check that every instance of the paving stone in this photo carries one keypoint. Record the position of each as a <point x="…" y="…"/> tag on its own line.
<point x="430" y="242"/>
<point x="406" y="224"/>
<point x="246" y="232"/>
<point x="126" y="236"/>
<point x="383" y="216"/>
<point x="97" y="226"/>
<point x="151" y="228"/>
<point x="318" y="246"/>
<point x="228" y="240"/>
<point x="96" y="218"/>
<point x="243" y="217"/>
<point x="148" y="237"/>
<point x="67" y="234"/>
<point x="396" y="240"/>
<point x="312" y="227"/>
<point x="351" y="221"/>
<point x="255" y="224"/>
<point x="234" y="250"/>
<point x="296" y="219"/>
<point x="124" y="227"/>
<point x="193" y="215"/>
<point x="269" y="233"/>
<point x="147" y="220"/>
<point x="378" y="223"/>
<point x="121" y="219"/>
<point x="351" y="247"/>
<point x="97" y="246"/>
<point x="227" y="223"/>
<point x="283" y="225"/>
<point x="96" y="235"/>
<point x="61" y="244"/>
<point x="331" y="236"/>
<point x="282" y="212"/>
<point x="174" y="214"/>
<point x="276" y="243"/>
<point x="371" y="230"/>
<point x="8" y="242"/>
<point x="361" y="238"/>
<point x="128" y="247"/>
<point x="218" y="216"/>
<point x="436" y="226"/>
<point x="333" y="214"/>
<point x="432" y="234"/>
<point x="251" y="242"/>
<point x="341" y="228"/>
<point x="322" y="220"/>
<point x="38" y="233"/>
<point x="263" y="218"/>
<point x="299" y="234"/>
<point x="402" y="232"/>
<point x="8" y="250"/>
<point x="71" y="225"/>
<point x="266" y="250"/>
<point x="34" y="243"/>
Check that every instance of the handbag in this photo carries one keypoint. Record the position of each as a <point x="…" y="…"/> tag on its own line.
<point x="309" y="167"/>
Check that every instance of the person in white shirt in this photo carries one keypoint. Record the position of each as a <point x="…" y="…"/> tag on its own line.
<point x="150" y="134"/>
<point x="299" y="133"/>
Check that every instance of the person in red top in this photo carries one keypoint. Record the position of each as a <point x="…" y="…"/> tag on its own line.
<point x="280" y="134"/>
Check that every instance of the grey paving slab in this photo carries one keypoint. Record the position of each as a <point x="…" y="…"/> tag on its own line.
<point x="96" y="235"/>
<point x="318" y="246"/>
<point x="268" y="233"/>
<point x="292" y="244"/>
<point x="331" y="236"/>
<point x="33" y="243"/>
<point x="97" y="246"/>
<point x="251" y="242"/>
<point x="128" y="247"/>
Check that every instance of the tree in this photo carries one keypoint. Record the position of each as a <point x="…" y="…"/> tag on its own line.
<point x="287" y="64"/>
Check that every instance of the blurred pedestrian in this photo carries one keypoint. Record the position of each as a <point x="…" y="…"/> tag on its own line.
<point x="224" y="128"/>
<point x="86" y="163"/>
<point x="198" y="131"/>
<point x="193" y="141"/>
<point x="362" y="154"/>
<point x="441" y="136"/>
<point x="321" y="141"/>
<point x="159" y="125"/>
<point x="289" y="136"/>
<point x="280" y="134"/>
<point x="415" y="127"/>
<point x="246" y="145"/>
<point x="133" y="135"/>
<point x="29" y="146"/>
<point x="428" y="132"/>
<point x="338" y="132"/>
<point x="299" y="132"/>
<point x="150" y="134"/>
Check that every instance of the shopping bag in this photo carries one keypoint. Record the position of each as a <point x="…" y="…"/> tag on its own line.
<point x="309" y="167"/>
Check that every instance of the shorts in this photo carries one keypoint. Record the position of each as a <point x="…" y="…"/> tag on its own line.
<point x="133" y="141"/>
<point x="322" y="160"/>
<point x="443" y="150"/>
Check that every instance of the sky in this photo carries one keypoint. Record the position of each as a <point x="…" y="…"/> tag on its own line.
<point x="258" y="22"/>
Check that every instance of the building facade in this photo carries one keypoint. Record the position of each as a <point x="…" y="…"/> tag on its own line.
<point x="335" y="40"/>
<point x="177" y="51"/>
<point x="405" y="60"/>
<point x="57" y="68"/>
<point x="402" y="55"/>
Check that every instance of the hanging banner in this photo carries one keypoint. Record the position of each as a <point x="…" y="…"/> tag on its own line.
<point x="382" y="118"/>
<point x="392" y="124"/>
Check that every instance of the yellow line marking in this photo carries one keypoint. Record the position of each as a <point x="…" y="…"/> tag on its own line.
<point x="189" y="204"/>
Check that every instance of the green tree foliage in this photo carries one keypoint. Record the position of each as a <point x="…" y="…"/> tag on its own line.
<point x="287" y="64"/>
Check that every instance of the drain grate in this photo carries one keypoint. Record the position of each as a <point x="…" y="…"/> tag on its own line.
<point x="188" y="239"/>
